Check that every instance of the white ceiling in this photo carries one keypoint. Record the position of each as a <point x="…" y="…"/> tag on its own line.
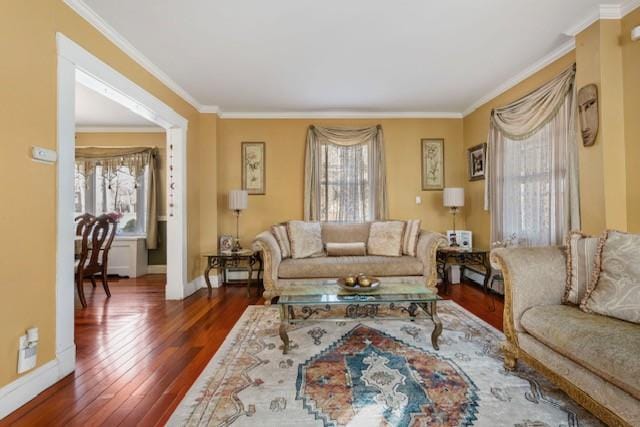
<point x="366" y="56"/>
<point x="94" y="110"/>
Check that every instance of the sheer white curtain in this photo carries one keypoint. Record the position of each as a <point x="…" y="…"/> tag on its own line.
<point x="532" y="187"/>
<point x="345" y="176"/>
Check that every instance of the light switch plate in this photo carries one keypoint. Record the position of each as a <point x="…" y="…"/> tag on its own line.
<point x="44" y="155"/>
<point x="418" y="200"/>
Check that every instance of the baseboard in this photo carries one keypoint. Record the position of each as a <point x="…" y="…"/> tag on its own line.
<point x="156" y="269"/>
<point x="25" y="388"/>
<point x="199" y="283"/>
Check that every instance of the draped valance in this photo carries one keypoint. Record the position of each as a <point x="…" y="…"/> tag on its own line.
<point x="113" y="158"/>
<point x="527" y="115"/>
<point x="137" y="160"/>
<point x="317" y="136"/>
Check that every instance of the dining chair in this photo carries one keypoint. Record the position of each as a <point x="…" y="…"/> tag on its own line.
<point x="94" y="257"/>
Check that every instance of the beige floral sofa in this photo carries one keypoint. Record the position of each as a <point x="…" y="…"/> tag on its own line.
<point x="593" y="358"/>
<point x="281" y="273"/>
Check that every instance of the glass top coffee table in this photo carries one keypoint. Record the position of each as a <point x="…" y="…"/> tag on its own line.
<point x="327" y="301"/>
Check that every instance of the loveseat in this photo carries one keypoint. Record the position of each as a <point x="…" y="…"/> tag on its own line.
<point x="593" y="358"/>
<point x="280" y="273"/>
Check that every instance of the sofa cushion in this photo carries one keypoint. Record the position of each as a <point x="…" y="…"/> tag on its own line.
<point x="334" y="267"/>
<point x="345" y="232"/>
<point x="608" y="347"/>
<point x="305" y="238"/>
<point x="385" y="238"/>
<point x="616" y="290"/>
<point x="581" y="256"/>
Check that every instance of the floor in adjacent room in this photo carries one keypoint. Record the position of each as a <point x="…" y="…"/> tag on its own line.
<point x="137" y="354"/>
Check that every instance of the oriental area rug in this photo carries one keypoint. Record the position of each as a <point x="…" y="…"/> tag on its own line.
<point x="371" y="373"/>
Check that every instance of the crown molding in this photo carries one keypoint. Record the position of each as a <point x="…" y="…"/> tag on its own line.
<point x="628" y="7"/>
<point x="527" y="72"/>
<point x="603" y="11"/>
<point x="120" y="41"/>
<point x="341" y="115"/>
<point x="119" y="129"/>
<point x="211" y="109"/>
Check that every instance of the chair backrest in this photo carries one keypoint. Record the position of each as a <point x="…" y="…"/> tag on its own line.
<point x="82" y="222"/>
<point x="102" y="232"/>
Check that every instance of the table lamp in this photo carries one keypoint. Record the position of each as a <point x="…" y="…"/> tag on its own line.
<point x="237" y="203"/>
<point x="453" y="198"/>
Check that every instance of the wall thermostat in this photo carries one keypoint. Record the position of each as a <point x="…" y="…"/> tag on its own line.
<point x="44" y="155"/>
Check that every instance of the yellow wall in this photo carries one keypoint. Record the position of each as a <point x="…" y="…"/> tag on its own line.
<point x="119" y="139"/>
<point x="631" y="79"/>
<point x="285" y="144"/>
<point x="476" y="129"/>
<point x="28" y="117"/>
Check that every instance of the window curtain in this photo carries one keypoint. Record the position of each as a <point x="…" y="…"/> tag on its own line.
<point x="532" y="179"/>
<point x="317" y="138"/>
<point x="136" y="159"/>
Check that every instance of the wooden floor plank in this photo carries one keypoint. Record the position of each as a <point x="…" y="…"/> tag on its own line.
<point x="138" y="354"/>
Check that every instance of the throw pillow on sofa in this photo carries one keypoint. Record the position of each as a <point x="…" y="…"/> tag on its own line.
<point x="282" y="237"/>
<point x="346" y="249"/>
<point x="411" y="236"/>
<point x="581" y="256"/>
<point x="615" y="291"/>
<point x="306" y="238"/>
<point x="385" y="238"/>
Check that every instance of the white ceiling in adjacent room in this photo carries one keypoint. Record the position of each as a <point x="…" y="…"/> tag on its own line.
<point x="94" y="110"/>
<point x="334" y="55"/>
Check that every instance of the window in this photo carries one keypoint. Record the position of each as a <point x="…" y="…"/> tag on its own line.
<point x="99" y="193"/>
<point x="345" y="191"/>
<point x="534" y="195"/>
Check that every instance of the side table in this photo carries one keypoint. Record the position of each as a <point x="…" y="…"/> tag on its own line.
<point x="244" y="259"/>
<point x="464" y="258"/>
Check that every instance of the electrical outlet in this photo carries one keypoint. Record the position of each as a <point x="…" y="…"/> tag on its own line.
<point x="27" y="354"/>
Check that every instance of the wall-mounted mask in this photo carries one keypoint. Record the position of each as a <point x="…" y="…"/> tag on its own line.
<point x="588" y="111"/>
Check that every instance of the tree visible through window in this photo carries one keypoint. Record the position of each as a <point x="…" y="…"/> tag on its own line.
<point x="100" y="193"/>
<point x="345" y="191"/>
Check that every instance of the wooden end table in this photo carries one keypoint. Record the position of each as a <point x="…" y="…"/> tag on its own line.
<point x="244" y="259"/>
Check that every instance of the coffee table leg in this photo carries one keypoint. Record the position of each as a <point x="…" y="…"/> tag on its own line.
<point x="283" y="328"/>
<point x="437" y="326"/>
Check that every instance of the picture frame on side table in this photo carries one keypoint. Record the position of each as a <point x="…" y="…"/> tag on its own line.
<point x="464" y="238"/>
<point x="477" y="160"/>
<point x="432" y="159"/>
<point x="226" y="243"/>
<point x="254" y="168"/>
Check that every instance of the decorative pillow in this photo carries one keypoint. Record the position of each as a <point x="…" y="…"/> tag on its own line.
<point x="581" y="257"/>
<point x="411" y="235"/>
<point x="346" y="249"/>
<point x="615" y="291"/>
<point x="306" y="239"/>
<point x="282" y="237"/>
<point x="385" y="238"/>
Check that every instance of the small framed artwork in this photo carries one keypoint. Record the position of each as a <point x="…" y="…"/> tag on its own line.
<point x="477" y="161"/>
<point x="463" y="238"/>
<point x="226" y="243"/>
<point x="253" y="167"/>
<point x="432" y="164"/>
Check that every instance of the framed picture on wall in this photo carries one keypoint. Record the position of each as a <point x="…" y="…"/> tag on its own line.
<point x="477" y="161"/>
<point x="432" y="164"/>
<point x="254" y="167"/>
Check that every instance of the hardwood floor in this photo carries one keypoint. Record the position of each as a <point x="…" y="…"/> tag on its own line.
<point x="138" y="354"/>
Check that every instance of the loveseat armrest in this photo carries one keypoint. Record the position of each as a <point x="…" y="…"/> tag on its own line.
<point x="428" y="244"/>
<point x="267" y="245"/>
<point x="532" y="277"/>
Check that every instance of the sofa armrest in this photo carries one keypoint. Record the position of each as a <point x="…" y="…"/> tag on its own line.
<point x="267" y="245"/>
<point x="428" y="244"/>
<point x="532" y="277"/>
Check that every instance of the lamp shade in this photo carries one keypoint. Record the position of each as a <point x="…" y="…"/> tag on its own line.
<point x="237" y="200"/>
<point x="453" y="197"/>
